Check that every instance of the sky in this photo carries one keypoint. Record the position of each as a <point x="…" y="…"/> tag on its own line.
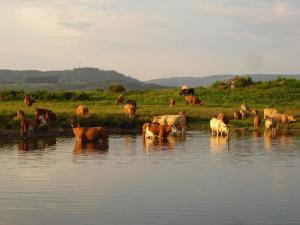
<point x="152" y="39"/>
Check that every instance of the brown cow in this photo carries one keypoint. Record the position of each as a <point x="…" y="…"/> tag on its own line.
<point x="285" y="118"/>
<point x="223" y="117"/>
<point x="129" y="110"/>
<point x="237" y="115"/>
<point x="28" y="127"/>
<point x="90" y="134"/>
<point x="193" y="100"/>
<point x="119" y="99"/>
<point x="172" y="102"/>
<point x="28" y="101"/>
<point x="153" y="129"/>
<point x="51" y="117"/>
<point x="81" y="110"/>
<point x="256" y="122"/>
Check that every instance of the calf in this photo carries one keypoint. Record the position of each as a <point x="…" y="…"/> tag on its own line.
<point x="193" y="100"/>
<point x="28" y="101"/>
<point x="237" y="115"/>
<point x="129" y="110"/>
<point x="90" y="134"/>
<point x="81" y="110"/>
<point x="172" y="102"/>
<point x="256" y="122"/>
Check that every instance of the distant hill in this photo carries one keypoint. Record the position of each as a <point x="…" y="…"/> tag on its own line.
<point x="208" y="80"/>
<point x="75" y="79"/>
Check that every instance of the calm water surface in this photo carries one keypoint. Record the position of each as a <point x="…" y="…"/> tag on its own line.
<point x="197" y="179"/>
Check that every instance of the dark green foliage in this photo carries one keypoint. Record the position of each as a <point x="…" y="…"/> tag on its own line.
<point x="116" y="88"/>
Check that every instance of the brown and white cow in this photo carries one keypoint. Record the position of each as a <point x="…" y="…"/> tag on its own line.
<point x="268" y="112"/>
<point x="153" y="129"/>
<point x="218" y="127"/>
<point x="193" y="100"/>
<point x="173" y="120"/>
<point x="90" y="134"/>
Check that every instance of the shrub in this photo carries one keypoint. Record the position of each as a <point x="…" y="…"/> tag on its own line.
<point x="116" y="88"/>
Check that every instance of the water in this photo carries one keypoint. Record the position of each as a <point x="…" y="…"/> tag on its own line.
<point x="197" y="179"/>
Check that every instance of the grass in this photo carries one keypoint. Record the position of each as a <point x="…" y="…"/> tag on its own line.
<point x="283" y="95"/>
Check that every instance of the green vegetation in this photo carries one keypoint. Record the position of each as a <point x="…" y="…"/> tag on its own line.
<point x="116" y="88"/>
<point x="282" y="94"/>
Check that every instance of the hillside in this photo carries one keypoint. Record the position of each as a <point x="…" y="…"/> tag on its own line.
<point x="208" y="80"/>
<point x="75" y="79"/>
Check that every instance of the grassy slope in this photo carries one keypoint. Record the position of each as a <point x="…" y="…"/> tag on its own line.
<point x="283" y="95"/>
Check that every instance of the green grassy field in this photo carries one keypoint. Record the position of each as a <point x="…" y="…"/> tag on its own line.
<point x="283" y="95"/>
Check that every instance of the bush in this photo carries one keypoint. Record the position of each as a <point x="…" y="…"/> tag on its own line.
<point x="116" y="88"/>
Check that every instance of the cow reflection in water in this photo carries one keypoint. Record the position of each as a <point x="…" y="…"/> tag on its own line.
<point x="219" y="144"/>
<point x="166" y="144"/>
<point x="282" y="139"/>
<point x="35" y="144"/>
<point x="90" y="147"/>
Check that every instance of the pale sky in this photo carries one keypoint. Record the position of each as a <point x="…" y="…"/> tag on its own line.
<point x="149" y="39"/>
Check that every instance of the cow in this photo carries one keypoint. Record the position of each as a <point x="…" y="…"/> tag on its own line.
<point x="51" y="117"/>
<point x="131" y="102"/>
<point x="223" y="117"/>
<point x="119" y="99"/>
<point x="129" y="110"/>
<point x="218" y="126"/>
<point x="237" y="115"/>
<point x="193" y="100"/>
<point x="81" y="110"/>
<point x="90" y="134"/>
<point x="189" y="91"/>
<point x="43" y="112"/>
<point x="28" y="127"/>
<point x="268" y="112"/>
<point x="256" y="122"/>
<point x="153" y="129"/>
<point x="271" y="123"/>
<point x="28" y="101"/>
<point x="285" y="118"/>
<point x="172" y="102"/>
<point x="173" y="120"/>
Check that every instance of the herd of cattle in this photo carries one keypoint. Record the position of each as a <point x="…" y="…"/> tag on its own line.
<point x="160" y="126"/>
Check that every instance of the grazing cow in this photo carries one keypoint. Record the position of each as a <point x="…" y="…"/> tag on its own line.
<point x="39" y="112"/>
<point x="189" y="91"/>
<point x="131" y="102"/>
<point x="173" y="120"/>
<point x="256" y="122"/>
<point x="271" y="123"/>
<point x="153" y="129"/>
<point x="268" y="112"/>
<point x="193" y="100"/>
<point x="90" y="134"/>
<point x="237" y="115"/>
<point x="28" y="101"/>
<point x="119" y="99"/>
<point x="129" y="110"/>
<point x="172" y="102"/>
<point x="223" y="117"/>
<point x="81" y="110"/>
<point x="218" y="126"/>
<point x="285" y="118"/>
<point x="51" y="117"/>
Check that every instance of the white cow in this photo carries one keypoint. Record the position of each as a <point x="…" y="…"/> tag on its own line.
<point x="172" y="120"/>
<point x="218" y="126"/>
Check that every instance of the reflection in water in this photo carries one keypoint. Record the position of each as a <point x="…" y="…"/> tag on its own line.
<point x="35" y="144"/>
<point x="283" y="139"/>
<point x="158" y="144"/>
<point x="90" y="147"/>
<point x="218" y="144"/>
